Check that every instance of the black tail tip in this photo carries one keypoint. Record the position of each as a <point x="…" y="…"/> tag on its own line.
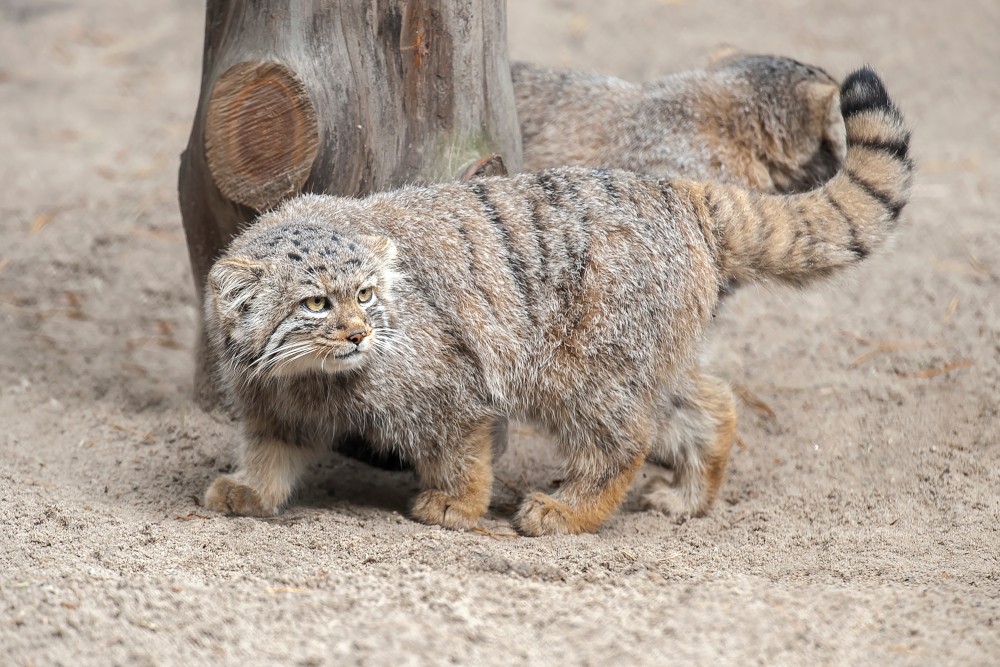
<point x="863" y="90"/>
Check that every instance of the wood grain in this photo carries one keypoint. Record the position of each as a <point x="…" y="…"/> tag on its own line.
<point x="386" y="92"/>
<point x="261" y="134"/>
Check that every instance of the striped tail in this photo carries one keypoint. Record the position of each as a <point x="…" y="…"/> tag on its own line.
<point x="802" y="237"/>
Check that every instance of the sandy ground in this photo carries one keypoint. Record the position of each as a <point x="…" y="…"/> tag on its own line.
<point x="859" y="523"/>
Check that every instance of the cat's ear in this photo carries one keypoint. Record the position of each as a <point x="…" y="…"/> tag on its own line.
<point x="383" y="247"/>
<point x="231" y="283"/>
<point x="385" y="250"/>
<point x="824" y="103"/>
<point x="721" y="56"/>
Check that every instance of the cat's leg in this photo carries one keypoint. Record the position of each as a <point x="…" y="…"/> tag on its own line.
<point x="694" y="429"/>
<point x="602" y="461"/>
<point x="458" y="481"/>
<point x="267" y="473"/>
<point x="500" y="437"/>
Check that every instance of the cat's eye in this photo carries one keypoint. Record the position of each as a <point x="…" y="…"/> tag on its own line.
<point x="316" y="304"/>
<point x="365" y="295"/>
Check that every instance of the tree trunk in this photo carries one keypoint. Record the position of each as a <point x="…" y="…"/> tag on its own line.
<point x="340" y="97"/>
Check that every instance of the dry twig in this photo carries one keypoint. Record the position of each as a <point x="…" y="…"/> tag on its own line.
<point x="939" y="370"/>
<point x="754" y="402"/>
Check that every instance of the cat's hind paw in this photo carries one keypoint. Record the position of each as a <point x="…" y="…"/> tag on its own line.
<point x="541" y="514"/>
<point x="661" y="496"/>
<point x="231" y="496"/>
<point x="437" y="508"/>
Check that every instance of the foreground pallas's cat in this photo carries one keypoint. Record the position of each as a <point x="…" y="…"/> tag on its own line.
<point x="572" y="299"/>
<point x="767" y="122"/>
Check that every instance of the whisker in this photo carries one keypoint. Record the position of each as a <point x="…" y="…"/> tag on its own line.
<point x="289" y="360"/>
<point x="291" y="349"/>
<point x="280" y="355"/>
<point x="284" y="359"/>
<point x="396" y="347"/>
<point x="392" y="339"/>
<point x="266" y="358"/>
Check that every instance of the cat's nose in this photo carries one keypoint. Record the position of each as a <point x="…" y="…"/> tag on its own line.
<point x="357" y="336"/>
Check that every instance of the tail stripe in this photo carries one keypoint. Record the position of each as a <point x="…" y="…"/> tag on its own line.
<point x="874" y="193"/>
<point x="855" y="246"/>
<point x="897" y="149"/>
<point x="851" y="108"/>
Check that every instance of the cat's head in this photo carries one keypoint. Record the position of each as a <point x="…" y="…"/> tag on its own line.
<point x="787" y="114"/>
<point x="295" y="296"/>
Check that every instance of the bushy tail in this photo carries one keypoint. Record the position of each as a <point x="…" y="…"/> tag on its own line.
<point x="799" y="238"/>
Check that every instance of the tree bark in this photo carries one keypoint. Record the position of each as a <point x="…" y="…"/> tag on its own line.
<point x="340" y="97"/>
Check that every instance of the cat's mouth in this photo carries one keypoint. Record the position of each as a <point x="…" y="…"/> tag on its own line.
<point x="335" y="362"/>
<point x="322" y="361"/>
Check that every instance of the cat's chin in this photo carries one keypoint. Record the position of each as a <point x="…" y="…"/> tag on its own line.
<point x="318" y="363"/>
<point x="332" y="366"/>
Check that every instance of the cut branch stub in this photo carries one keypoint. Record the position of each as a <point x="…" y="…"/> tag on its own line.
<point x="484" y="167"/>
<point x="261" y="134"/>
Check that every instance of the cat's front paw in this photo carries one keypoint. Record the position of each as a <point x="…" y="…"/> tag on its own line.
<point x="541" y="514"/>
<point x="231" y="496"/>
<point x="437" y="508"/>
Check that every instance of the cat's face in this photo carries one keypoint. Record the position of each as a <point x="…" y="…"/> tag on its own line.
<point x="300" y="298"/>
